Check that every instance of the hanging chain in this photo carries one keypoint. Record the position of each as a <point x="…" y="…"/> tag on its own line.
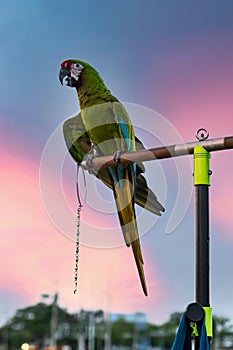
<point x="78" y="234"/>
<point x="77" y="248"/>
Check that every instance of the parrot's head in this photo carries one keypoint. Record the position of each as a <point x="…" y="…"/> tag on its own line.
<point x="71" y="70"/>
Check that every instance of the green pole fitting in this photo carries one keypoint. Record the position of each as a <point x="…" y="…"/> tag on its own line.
<point x="202" y="170"/>
<point x="208" y="323"/>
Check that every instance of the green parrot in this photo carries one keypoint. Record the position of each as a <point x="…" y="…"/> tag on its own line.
<point x="103" y="127"/>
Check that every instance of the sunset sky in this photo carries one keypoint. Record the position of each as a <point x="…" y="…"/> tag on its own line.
<point x="170" y="62"/>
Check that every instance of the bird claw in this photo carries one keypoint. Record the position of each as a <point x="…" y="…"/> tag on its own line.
<point x="88" y="163"/>
<point x="117" y="156"/>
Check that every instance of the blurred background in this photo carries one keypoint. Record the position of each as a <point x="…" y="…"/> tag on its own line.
<point x="173" y="57"/>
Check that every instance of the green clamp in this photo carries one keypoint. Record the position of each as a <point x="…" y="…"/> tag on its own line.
<point x="202" y="170"/>
<point x="208" y="323"/>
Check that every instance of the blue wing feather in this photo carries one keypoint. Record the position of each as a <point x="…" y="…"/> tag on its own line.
<point x="129" y="142"/>
<point x="120" y="174"/>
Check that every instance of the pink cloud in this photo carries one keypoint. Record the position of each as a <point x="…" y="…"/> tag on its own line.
<point x="19" y="188"/>
<point x="37" y="259"/>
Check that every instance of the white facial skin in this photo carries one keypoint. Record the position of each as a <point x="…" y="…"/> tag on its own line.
<point x="75" y="71"/>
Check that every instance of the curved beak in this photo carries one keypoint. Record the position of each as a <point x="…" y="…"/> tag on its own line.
<point x="63" y="73"/>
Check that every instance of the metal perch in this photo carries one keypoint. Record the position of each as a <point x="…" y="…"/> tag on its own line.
<point x="182" y="149"/>
<point x="202" y="172"/>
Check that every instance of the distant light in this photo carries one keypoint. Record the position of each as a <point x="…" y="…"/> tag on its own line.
<point x="25" y="346"/>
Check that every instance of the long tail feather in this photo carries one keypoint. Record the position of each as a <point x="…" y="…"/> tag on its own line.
<point x="139" y="262"/>
<point x="124" y="196"/>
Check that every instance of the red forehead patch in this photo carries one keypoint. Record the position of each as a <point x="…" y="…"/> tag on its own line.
<point x="66" y="64"/>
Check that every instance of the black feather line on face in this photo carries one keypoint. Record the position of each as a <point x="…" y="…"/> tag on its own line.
<point x="71" y="81"/>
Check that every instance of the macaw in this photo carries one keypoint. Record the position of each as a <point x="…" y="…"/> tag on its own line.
<point x="103" y="127"/>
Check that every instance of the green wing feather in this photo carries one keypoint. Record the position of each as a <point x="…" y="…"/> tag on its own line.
<point x="79" y="146"/>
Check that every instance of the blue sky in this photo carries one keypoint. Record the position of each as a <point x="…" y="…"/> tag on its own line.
<point x="174" y="57"/>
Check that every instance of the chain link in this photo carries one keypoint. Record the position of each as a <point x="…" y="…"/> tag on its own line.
<point x="77" y="235"/>
<point x="77" y="249"/>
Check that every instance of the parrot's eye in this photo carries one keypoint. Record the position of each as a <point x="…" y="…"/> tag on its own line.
<point x="71" y="71"/>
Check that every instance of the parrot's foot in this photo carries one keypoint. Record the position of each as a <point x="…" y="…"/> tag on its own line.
<point x="88" y="163"/>
<point x="117" y="156"/>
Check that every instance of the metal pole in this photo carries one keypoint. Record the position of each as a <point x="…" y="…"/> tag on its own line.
<point x="53" y="322"/>
<point x="81" y="330"/>
<point x="202" y="245"/>
<point x="91" y="331"/>
<point x="202" y="182"/>
<point x="158" y="153"/>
